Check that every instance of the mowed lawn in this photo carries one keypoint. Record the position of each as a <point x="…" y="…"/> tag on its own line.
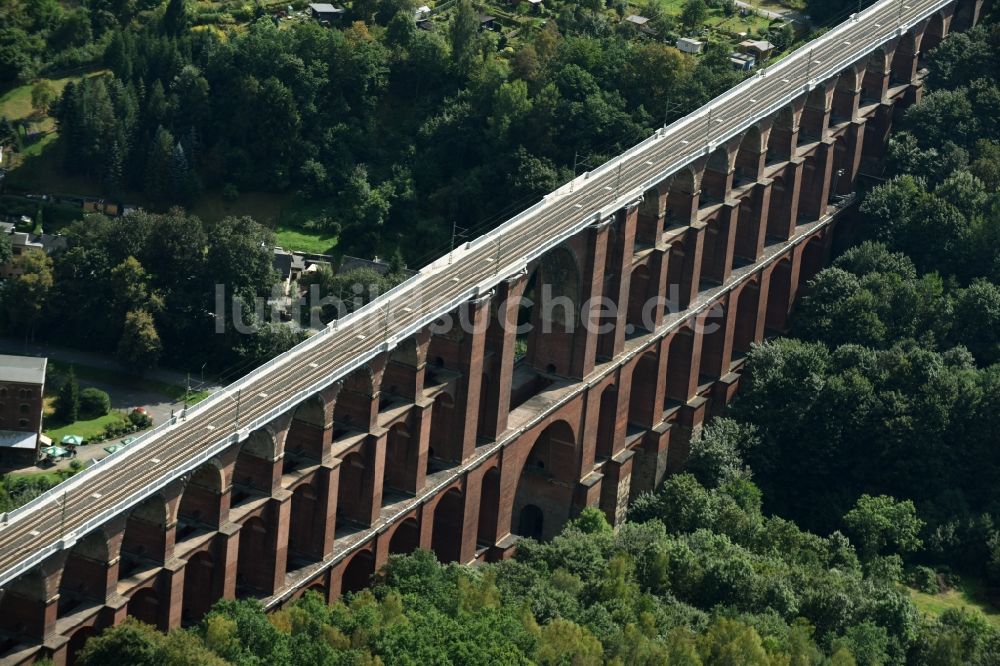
<point x="718" y="19"/>
<point x="303" y="240"/>
<point x="15" y="104"/>
<point x="286" y="214"/>
<point x="87" y="429"/>
<point x="968" y="595"/>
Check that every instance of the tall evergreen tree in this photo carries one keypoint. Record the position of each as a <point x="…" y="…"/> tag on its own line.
<point x="160" y="169"/>
<point x="68" y="404"/>
<point x="175" y="18"/>
<point x="463" y="34"/>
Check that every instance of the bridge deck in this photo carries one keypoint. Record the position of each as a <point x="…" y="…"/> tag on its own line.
<point x="87" y="500"/>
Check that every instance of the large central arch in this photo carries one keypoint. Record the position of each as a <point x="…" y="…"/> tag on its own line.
<point x="544" y="496"/>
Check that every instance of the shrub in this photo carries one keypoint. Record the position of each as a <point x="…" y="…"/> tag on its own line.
<point x="116" y="428"/>
<point x="94" y="403"/>
<point x="924" y="579"/>
<point x="140" y="420"/>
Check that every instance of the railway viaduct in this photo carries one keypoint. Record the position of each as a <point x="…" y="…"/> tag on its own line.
<point x="392" y="430"/>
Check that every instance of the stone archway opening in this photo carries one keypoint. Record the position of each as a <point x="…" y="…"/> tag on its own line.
<point x="358" y="572"/>
<point x="643" y="409"/>
<point x="84" y="581"/>
<point x="873" y="85"/>
<point x="965" y="15"/>
<point x="779" y="210"/>
<point x="144" y="606"/>
<point x="548" y="477"/>
<point x="781" y="145"/>
<point x="750" y="158"/>
<point x="448" y="528"/>
<point x="717" y="179"/>
<point x="355" y="406"/>
<point x="778" y="298"/>
<point x="253" y="473"/>
<point x="815" y="120"/>
<point x="201" y="589"/>
<point x="681" y="197"/>
<point x="844" y="106"/>
<point x="305" y="528"/>
<point x="401" y="459"/>
<point x="254" y="575"/>
<point x="531" y="522"/>
<point x="813" y="259"/>
<point x="304" y="441"/>
<point x="548" y="317"/>
<point x="406" y="538"/>
<point x="648" y="222"/>
<point x="843" y="167"/>
<point x="934" y="34"/>
<point x="77" y="642"/>
<point x="680" y="355"/>
<point x="350" y="490"/>
<point x="318" y="588"/>
<point x="144" y="541"/>
<point x="445" y="447"/>
<point x="201" y="502"/>
<point x="713" y="363"/>
<point x="22" y="609"/>
<point x="607" y="422"/>
<point x="641" y="312"/>
<point x="489" y="508"/>
<point x="715" y="261"/>
<point x="745" y="329"/>
<point x="904" y="60"/>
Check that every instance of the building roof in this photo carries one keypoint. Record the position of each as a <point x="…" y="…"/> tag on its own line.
<point x="51" y="242"/>
<point x="23" y="369"/>
<point x="688" y="42"/>
<point x="286" y="262"/>
<point x="325" y="8"/>
<point x="759" y="44"/>
<point x="18" y="439"/>
<point x="638" y="20"/>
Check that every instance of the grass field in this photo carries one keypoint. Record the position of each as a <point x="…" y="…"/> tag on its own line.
<point x="291" y="238"/>
<point x="968" y="595"/>
<point x="36" y="167"/>
<point x="86" y="428"/>
<point x="286" y="214"/>
<point x="51" y="478"/>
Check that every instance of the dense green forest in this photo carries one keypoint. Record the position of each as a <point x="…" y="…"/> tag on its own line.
<point x="399" y="131"/>
<point x="874" y="424"/>
<point x="143" y="287"/>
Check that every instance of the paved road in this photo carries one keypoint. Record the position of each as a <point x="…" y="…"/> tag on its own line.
<point x="103" y="491"/>
<point x="93" y="360"/>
